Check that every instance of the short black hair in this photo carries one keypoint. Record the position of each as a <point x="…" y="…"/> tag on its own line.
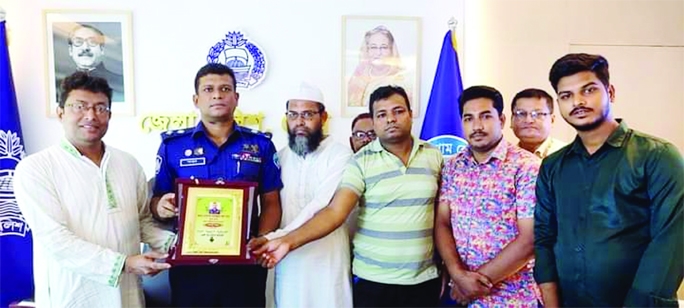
<point x="321" y="107"/>
<point x="214" y="69"/>
<point x="384" y="93"/>
<point x="533" y="93"/>
<point x="81" y="26"/>
<point x="84" y="81"/>
<point x="574" y="63"/>
<point x="476" y="92"/>
<point x="361" y="116"/>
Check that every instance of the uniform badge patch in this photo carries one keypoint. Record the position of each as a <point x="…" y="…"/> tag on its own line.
<point x="276" y="160"/>
<point x="157" y="164"/>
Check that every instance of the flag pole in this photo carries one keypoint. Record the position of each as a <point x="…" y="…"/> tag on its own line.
<point x="453" y="22"/>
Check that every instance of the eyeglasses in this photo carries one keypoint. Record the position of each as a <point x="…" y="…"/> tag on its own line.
<point x="359" y="134"/>
<point x="306" y="115"/>
<point x="522" y="115"/>
<point x="79" y="108"/>
<point x="91" y="41"/>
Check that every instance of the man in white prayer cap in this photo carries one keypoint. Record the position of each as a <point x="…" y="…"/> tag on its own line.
<point x="318" y="274"/>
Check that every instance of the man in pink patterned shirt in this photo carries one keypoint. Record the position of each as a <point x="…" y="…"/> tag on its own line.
<point x="485" y="220"/>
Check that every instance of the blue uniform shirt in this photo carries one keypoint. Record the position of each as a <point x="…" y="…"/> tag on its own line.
<point x="247" y="155"/>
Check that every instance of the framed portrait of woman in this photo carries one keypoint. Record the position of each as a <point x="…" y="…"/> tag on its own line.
<point x="379" y="51"/>
<point x="98" y="42"/>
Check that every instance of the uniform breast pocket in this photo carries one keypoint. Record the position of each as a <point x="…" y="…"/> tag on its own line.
<point x="248" y="170"/>
<point x="196" y="171"/>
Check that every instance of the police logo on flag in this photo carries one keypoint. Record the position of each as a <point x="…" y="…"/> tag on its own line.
<point x="449" y="145"/>
<point x="11" y="152"/>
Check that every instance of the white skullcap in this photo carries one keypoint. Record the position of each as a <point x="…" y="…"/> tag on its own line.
<point x="307" y="92"/>
<point x="2" y="14"/>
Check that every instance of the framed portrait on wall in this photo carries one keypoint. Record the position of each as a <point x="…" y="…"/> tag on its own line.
<point x="97" y="42"/>
<point x="379" y="51"/>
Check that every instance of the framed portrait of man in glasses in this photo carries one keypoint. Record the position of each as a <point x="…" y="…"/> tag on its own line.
<point x="97" y="42"/>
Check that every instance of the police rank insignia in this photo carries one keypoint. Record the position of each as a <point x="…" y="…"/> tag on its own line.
<point x="251" y="148"/>
<point x="243" y="56"/>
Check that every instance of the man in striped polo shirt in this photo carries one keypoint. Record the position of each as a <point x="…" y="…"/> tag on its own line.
<point x="395" y="180"/>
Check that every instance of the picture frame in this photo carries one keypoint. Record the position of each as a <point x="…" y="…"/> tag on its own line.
<point x="97" y="41"/>
<point x="378" y="51"/>
<point x="215" y="218"/>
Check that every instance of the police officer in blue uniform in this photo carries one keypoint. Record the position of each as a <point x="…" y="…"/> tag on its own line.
<point x="218" y="149"/>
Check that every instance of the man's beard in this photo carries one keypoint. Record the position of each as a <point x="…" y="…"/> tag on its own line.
<point x="591" y="126"/>
<point x="303" y="145"/>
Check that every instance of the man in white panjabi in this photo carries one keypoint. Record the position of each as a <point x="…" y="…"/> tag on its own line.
<point x="318" y="274"/>
<point x="86" y="203"/>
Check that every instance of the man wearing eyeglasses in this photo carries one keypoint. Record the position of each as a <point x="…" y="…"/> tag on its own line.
<point x="362" y="131"/>
<point x="394" y="179"/>
<point x="312" y="164"/>
<point x="86" y="203"/>
<point x="532" y="121"/>
<point x="87" y="50"/>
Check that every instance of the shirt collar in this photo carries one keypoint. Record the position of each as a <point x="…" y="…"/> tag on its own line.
<point x="201" y="130"/>
<point x="616" y="139"/>
<point x="71" y="149"/>
<point x="543" y="149"/>
<point x="499" y="153"/>
<point x="376" y="146"/>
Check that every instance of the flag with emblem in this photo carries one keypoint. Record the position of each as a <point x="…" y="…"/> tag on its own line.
<point x="16" y="280"/>
<point x="442" y="124"/>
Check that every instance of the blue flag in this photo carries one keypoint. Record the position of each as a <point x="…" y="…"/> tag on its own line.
<point x="16" y="268"/>
<point x="442" y="124"/>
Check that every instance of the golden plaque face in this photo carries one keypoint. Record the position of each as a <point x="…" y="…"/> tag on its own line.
<point x="214" y="222"/>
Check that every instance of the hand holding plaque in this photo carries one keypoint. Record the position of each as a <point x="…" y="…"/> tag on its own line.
<point x="214" y="222"/>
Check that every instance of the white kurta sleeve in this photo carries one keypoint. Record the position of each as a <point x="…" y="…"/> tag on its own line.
<point x="324" y="194"/>
<point x="158" y="238"/>
<point x="38" y="200"/>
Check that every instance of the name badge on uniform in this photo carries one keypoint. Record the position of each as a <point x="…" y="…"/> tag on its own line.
<point x="189" y="162"/>
<point x="244" y="156"/>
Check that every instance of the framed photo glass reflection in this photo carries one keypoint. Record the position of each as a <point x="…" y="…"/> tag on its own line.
<point x="379" y="51"/>
<point x="97" y="42"/>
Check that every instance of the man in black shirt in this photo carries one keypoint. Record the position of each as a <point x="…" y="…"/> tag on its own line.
<point x="609" y="226"/>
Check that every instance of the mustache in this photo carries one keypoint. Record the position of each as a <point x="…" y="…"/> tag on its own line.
<point x="578" y="109"/>
<point x="476" y="134"/>
<point x="85" y="52"/>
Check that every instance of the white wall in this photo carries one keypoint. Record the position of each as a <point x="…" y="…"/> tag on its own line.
<point x="512" y="44"/>
<point x="508" y="44"/>
<point x="301" y="39"/>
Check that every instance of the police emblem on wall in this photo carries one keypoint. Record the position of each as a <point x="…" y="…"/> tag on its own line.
<point x="11" y="152"/>
<point x="243" y="56"/>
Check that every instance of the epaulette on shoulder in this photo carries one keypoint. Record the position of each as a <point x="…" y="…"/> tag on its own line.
<point x="252" y="131"/>
<point x="171" y="134"/>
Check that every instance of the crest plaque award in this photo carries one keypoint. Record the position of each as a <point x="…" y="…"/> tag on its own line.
<point x="214" y="222"/>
